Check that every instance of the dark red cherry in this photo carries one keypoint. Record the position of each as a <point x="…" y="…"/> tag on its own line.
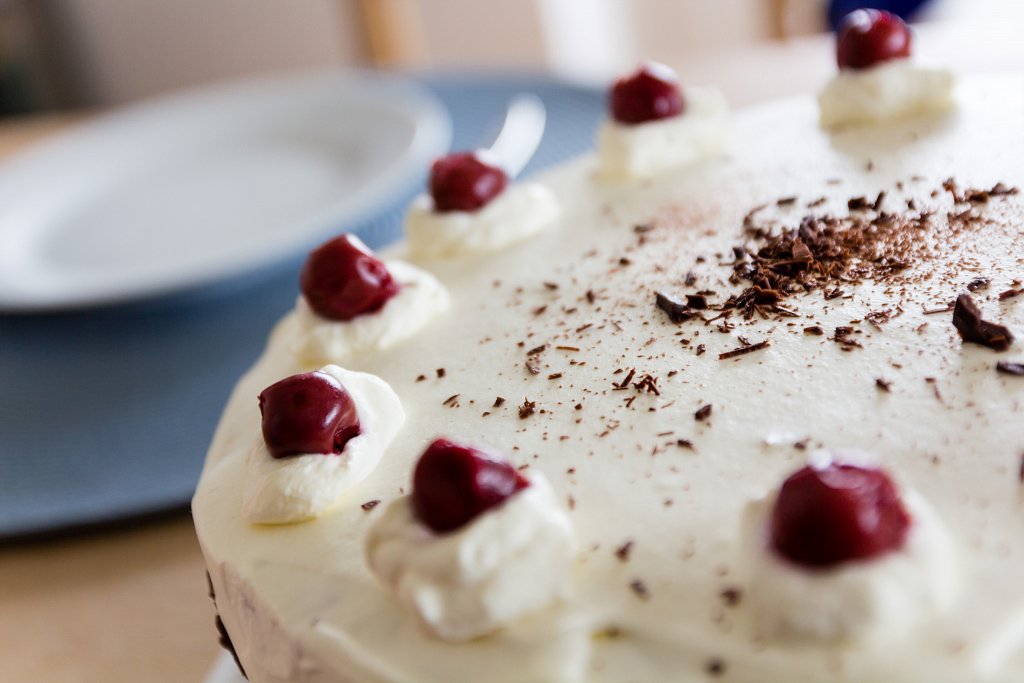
<point x="342" y="279"/>
<point x="869" y="36"/>
<point x="463" y="182"/>
<point x="825" y="517"/>
<point x="308" y="413"/>
<point x="649" y="94"/>
<point x="453" y="483"/>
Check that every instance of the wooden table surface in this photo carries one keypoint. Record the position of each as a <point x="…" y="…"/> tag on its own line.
<point x="130" y="605"/>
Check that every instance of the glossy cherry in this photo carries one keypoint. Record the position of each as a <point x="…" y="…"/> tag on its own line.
<point x="453" y="484"/>
<point x="342" y="279"/>
<point x="824" y="517"/>
<point x="308" y="413"/>
<point x="649" y="94"/>
<point x="867" y="37"/>
<point x="464" y="182"/>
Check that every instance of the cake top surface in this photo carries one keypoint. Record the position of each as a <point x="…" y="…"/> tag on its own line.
<point x="656" y="434"/>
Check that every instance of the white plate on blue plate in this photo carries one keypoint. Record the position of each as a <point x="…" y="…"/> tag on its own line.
<point x="191" y="189"/>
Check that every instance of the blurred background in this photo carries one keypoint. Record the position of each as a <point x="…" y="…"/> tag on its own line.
<point x="64" y="54"/>
<point x="101" y="576"/>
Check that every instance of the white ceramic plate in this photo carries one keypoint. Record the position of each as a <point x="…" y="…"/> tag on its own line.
<point x="190" y="189"/>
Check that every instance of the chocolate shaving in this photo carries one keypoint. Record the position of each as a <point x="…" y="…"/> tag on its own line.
<point x="1010" y="293"/>
<point x="883" y="384"/>
<point x="703" y="413"/>
<point x="440" y="373"/>
<point x="527" y="409"/>
<point x="498" y="402"/>
<point x="648" y="383"/>
<point x="945" y="309"/>
<point x="977" y="283"/>
<point x="625" y="382"/>
<point x="677" y="310"/>
<point x="1010" y="368"/>
<point x="743" y="350"/>
<point x="815" y="330"/>
<point x="974" y="329"/>
<point x="842" y="337"/>
<point x="697" y="301"/>
<point x="370" y="504"/>
<point x="999" y="190"/>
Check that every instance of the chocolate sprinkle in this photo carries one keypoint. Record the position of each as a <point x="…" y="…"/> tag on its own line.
<point x="731" y="596"/>
<point x="743" y="350"/>
<point x="622" y="552"/>
<point x="972" y="328"/>
<point x="715" y="667"/>
<point x="640" y="588"/>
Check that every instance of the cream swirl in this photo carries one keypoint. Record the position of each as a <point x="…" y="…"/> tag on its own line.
<point x="868" y="600"/>
<point x="512" y="560"/>
<point x="648" y="149"/>
<point x="295" y="488"/>
<point x="519" y="212"/>
<point x="315" y="340"/>
<point x="888" y="91"/>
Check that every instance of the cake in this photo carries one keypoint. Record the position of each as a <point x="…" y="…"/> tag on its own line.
<point x="753" y="416"/>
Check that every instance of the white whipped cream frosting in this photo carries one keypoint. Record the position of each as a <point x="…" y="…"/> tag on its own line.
<point x="303" y="607"/>
<point x="316" y="340"/>
<point x="885" y="92"/>
<point x="512" y="560"/>
<point x="652" y="148"/>
<point x="871" y="600"/>
<point x="519" y="212"/>
<point x="299" y="487"/>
